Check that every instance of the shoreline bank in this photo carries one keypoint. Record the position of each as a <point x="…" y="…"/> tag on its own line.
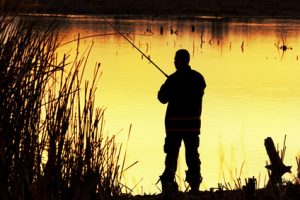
<point x="155" y="8"/>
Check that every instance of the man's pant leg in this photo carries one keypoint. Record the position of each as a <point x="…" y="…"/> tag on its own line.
<point x="193" y="176"/>
<point x="171" y="148"/>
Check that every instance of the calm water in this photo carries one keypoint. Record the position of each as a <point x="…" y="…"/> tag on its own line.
<point x="253" y="90"/>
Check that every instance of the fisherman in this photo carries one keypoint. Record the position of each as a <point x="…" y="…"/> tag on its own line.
<point x="183" y="91"/>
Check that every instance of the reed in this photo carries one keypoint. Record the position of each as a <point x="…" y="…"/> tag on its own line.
<point x="52" y="144"/>
<point x="297" y="178"/>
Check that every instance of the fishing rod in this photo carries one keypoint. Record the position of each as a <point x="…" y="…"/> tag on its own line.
<point x="147" y="57"/>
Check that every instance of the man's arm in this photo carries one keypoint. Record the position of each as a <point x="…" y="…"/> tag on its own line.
<point x="163" y="96"/>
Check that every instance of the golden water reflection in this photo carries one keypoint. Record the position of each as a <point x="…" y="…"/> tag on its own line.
<point x="253" y="90"/>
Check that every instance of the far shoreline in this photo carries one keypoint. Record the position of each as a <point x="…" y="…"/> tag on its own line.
<point x="90" y="9"/>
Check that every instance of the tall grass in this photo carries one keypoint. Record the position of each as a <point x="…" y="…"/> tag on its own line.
<point x="52" y="144"/>
<point x="298" y="169"/>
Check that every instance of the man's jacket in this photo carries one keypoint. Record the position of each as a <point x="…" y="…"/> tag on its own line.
<point x="183" y="91"/>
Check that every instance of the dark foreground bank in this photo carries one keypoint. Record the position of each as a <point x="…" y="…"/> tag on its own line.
<point x="290" y="192"/>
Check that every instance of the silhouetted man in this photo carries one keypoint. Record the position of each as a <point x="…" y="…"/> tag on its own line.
<point x="183" y="91"/>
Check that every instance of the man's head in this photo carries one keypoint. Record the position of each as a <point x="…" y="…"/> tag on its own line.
<point x="182" y="58"/>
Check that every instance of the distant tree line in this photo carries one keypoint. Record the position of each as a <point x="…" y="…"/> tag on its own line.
<point x="49" y="1"/>
<point x="46" y="5"/>
<point x="165" y="7"/>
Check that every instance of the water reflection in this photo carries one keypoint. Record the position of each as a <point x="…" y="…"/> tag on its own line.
<point x="252" y="91"/>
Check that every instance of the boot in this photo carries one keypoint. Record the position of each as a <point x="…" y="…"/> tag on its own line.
<point x="168" y="186"/>
<point x="194" y="181"/>
<point x="195" y="187"/>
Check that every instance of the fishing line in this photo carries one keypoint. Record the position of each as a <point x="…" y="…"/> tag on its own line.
<point x="92" y="36"/>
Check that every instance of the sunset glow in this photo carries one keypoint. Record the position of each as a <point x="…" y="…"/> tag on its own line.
<point x="253" y="92"/>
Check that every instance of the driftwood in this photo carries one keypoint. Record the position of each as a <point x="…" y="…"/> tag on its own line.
<point x="277" y="167"/>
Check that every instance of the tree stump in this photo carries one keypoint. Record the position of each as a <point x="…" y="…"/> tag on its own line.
<point x="277" y="167"/>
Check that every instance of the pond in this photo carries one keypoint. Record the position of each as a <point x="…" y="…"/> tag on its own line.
<point x="252" y="70"/>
